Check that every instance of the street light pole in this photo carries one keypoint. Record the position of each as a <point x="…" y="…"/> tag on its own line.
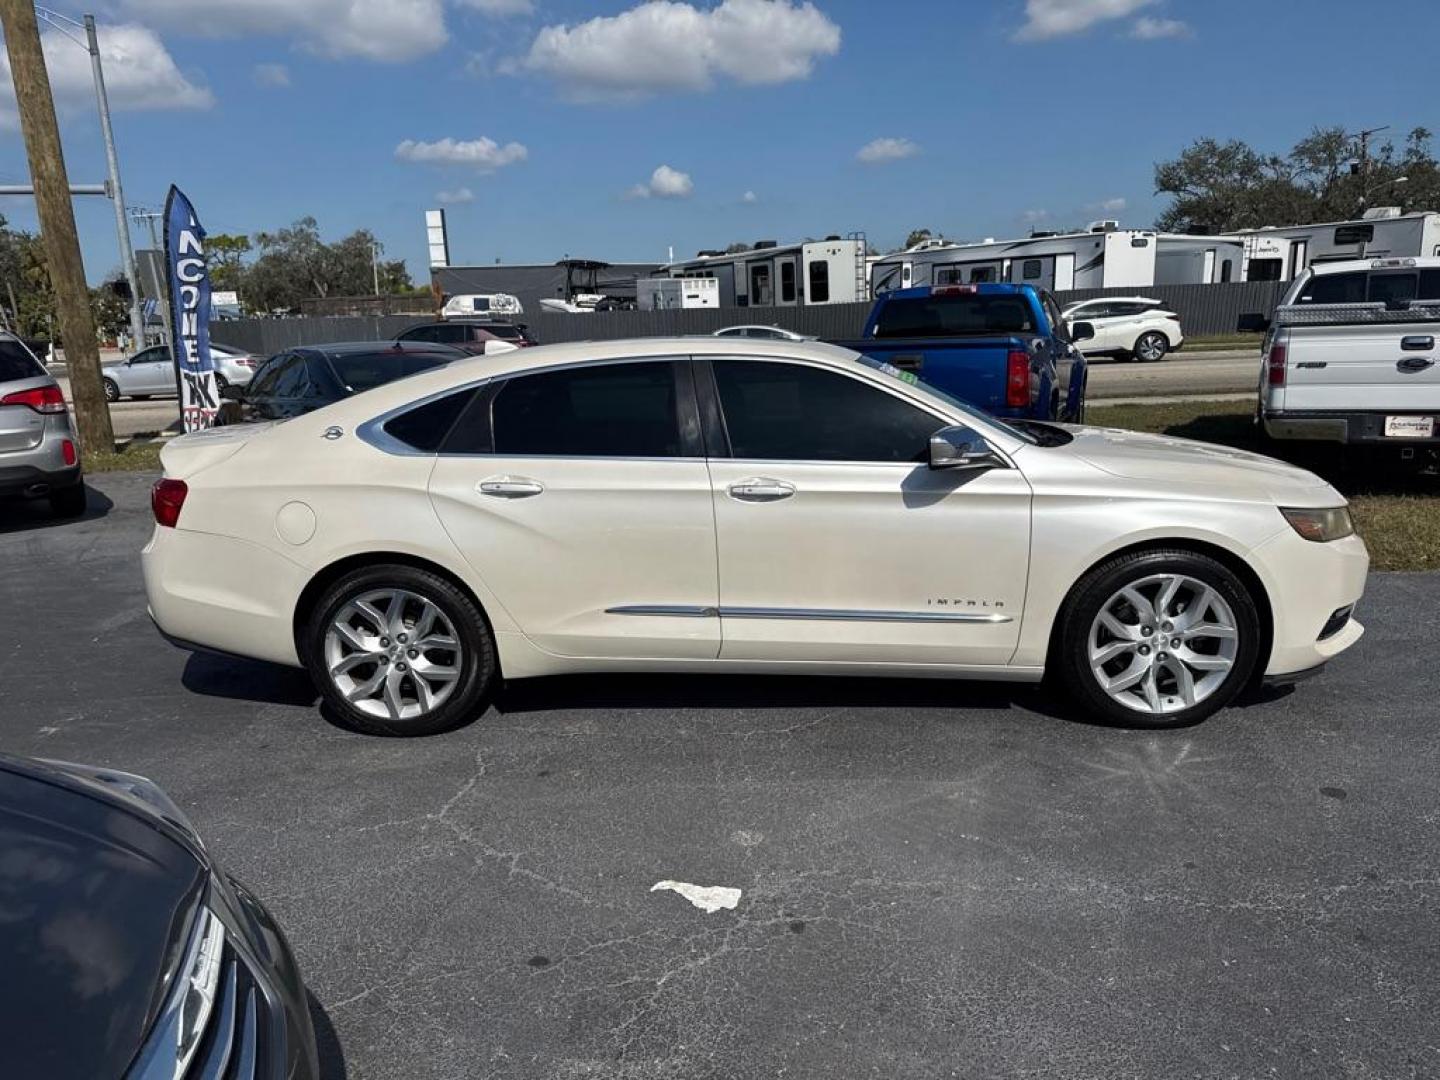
<point x="117" y="194"/>
<point x="375" y="265"/>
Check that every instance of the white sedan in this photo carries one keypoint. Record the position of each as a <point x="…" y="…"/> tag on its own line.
<point x="1139" y="327"/>
<point x="728" y="505"/>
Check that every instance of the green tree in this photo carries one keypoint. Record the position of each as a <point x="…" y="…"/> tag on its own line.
<point x="917" y="236"/>
<point x="225" y="256"/>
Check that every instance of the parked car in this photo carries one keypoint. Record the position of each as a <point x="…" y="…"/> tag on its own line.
<point x="128" y="950"/>
<point x="475" y="336"/>
<point x="768" y="333"/>
<point x="307" y="378"/>
<point x="151" y="372"/>
<point x="1138" y="327"/>
<point x="39" y="456"/>
<point x="1002" y="348"/>
<point x="1351" y="357"/>
<point x="698" y="504"/>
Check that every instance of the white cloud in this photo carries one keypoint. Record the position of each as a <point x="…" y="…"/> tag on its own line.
<point x="1150" y="29"/>
<point x="1034" y="217"/>
<point x="271" y="75"/>
<point x="749" y="197"/>
<point x="385" y="30"/>
<point x="485" y="155"/>
<point x="665" y="45"/>
<point x="454" y="198"/>
<point x="139" y="74"/>
<point x="1045" y="19"/>
<point x="1109" y="206"/>
<point x="500" y="8"/>
<point x="879" y="151"/>
<point x="664" y="183"/>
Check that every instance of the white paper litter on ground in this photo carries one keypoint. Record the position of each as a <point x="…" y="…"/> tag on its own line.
<point x="705" y="897"/>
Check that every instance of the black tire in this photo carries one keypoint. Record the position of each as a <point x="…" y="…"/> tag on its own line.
<point x="220" y="383"/>
<point x="1154" y="342"/>
<point x="68" y="502"/>
<point x="112" y="391"/>
<point x="478" y="665"/>
<point x="1070" y="652"/>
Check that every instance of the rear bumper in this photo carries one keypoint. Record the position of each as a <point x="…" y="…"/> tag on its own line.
<point x="30" y="481"/>
<point x="1342" y="427"/>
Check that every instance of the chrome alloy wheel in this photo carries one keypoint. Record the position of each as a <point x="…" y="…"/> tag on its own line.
<point x="1150" y="347"/>
<point x="1163" y="643"/>
<point x="393" y="654"/>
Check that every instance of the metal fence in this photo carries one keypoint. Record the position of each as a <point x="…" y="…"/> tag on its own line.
<point x="1203" y="309"/>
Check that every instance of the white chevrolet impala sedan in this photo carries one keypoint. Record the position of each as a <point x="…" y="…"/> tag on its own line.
<point x="711" y="505"/>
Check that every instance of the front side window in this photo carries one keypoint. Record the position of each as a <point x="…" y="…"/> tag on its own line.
<point x="791" y="412"/>
<point x="293" y="381"/>
<point x="820" y="281"/>
<point x="420" y="333"/>
<point x="1058" y="326"/>
<point x="265" y="380"/>
<point x="609" y="410"/>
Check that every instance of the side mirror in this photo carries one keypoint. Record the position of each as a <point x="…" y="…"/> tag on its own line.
<point x="1082" y="331"/>
<point x="960" y="448"/>
<point x="1253" y="322"/>
<point x="231" y="392"/>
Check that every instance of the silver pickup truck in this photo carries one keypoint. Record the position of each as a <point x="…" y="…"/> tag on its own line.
<point x="1351" y="356"/>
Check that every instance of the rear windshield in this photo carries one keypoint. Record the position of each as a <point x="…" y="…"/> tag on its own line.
<point x="1371" y="286"/>
<point x="365" y="371"/>
<point x="17" y="363"/>
<point x="954" y="315"/>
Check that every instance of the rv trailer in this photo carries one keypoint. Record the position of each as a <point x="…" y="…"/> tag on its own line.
<point x="666" y="294"/>
<point x="1279" y="253"/>
<point x="829" y="271"/>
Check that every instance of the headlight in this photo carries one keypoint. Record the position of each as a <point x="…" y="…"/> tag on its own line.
<point x="180" y="1027"/>
<point x="1331" y="523"/>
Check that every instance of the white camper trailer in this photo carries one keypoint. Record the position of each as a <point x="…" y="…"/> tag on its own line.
<point x="829" y="271"/>
<point x="1280" y="253"/>
<point x="1181" y="259"/>
<point x="668" y="294"/>
<point x="1105" y="256"/>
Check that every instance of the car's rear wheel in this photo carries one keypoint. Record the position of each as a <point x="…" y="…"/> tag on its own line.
<point x="1151" y="346"/>
<point x="220" y="383"/>
<point x="112" y="390"/>
<point x="68" y="502"/>
<point x="396" y="650"/>
<point x="1158" y="639"/>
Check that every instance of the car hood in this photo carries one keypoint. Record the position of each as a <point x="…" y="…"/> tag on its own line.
<point x="1165" y="459"/>
<point x="93" y="901"/>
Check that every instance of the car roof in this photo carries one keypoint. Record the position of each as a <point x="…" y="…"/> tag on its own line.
<point x="356" y="348"/>
<point x="1374" y="262"/>
<point x="1121" y="299"/>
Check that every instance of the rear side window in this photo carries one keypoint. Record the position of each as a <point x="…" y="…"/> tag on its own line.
<point x="614" y="410"/>
<point x="424" y="427"/>
<point x="790" y="412"/>
<point x="955" y="315"/>
<point x="17" y="363"/>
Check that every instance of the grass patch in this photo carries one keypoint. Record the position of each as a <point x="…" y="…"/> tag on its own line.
<point x="132" y="457"/>
<point x="1396" y="509"/>
<point x="1223" y="341"/>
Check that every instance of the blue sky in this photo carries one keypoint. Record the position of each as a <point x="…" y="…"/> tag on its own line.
<point x="553" y="116"/>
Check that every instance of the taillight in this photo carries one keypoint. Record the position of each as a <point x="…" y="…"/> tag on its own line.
<point x="67" y="452"/>
<point x="953" y="290"/>
<point x="245" y="361"/>
<point x="1275" y="361"/>
<point x="43" y="399"/>
<point x="167" y="498"/>
<point x="1017" y="379"/>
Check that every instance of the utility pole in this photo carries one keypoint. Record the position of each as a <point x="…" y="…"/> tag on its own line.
<point x="1364" y="164"/>
<point x="161" y="289"/>
<point x="117" y="194"/>
<point x="375" y="265"/>
<point x="36" y="107"/>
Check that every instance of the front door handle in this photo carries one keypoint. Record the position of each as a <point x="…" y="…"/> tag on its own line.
<point x="760" y="489"/>
<point x="1414" y="363"/>
<point x="510" y="487"/>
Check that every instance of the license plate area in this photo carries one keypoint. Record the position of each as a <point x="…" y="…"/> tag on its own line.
<point x="1409" y="427"/>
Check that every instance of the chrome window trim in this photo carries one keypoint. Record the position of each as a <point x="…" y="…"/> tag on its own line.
<point x="677" y="611"/>
<point x="816" y="614"/>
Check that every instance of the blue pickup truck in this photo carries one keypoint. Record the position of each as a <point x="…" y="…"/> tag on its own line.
<point x="1005" y="349"/>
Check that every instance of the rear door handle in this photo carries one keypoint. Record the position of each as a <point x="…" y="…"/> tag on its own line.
<point x="510" y="487"/>
<point x="1417" y="343"/>
<point x="760" y="489"/>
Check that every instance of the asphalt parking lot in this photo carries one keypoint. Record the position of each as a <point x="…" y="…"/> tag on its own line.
<point x="938" y="880"/>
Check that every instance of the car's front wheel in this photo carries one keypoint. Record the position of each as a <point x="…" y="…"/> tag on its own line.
<point x="396" y="650"/>
<point x="1158" y="639"/>
<point x="1151" y="346"/>
<point x="112" y="391"/>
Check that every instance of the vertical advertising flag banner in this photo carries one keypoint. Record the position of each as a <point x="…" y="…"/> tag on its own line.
<point x="189" y="289"/>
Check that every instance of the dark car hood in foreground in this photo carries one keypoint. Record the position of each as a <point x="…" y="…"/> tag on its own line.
<point x="93" y="898"/>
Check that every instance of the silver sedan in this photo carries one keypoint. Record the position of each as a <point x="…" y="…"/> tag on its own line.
<point x="151" y="372"/>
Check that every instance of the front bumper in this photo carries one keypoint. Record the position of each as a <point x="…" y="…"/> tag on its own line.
<point x="1308" y="583"/>
<point x="1342" y="427"/>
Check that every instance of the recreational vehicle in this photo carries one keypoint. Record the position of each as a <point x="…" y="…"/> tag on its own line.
<point x="829" y="271"/>
<point x="665" y="294"/>
<point x="1279" y="253"/>
<point x="1181" y="259"/>
<point x="1105" y="256"/>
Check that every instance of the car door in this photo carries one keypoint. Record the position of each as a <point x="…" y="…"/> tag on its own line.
<point x="152" y="372"/>
<point x="836" y="541"/>
<point x="1098" y="316"/>
<point x="580" y="496"/>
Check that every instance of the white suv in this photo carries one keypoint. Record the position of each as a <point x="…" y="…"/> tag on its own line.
<point x="1135" y="326"/>
<point x="704" y="504"/>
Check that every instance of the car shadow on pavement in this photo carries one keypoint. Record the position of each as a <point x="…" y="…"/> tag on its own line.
<point x="327" y="1041"/>
<point x="25" y="515"/>
<point x="247" y="680"/>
